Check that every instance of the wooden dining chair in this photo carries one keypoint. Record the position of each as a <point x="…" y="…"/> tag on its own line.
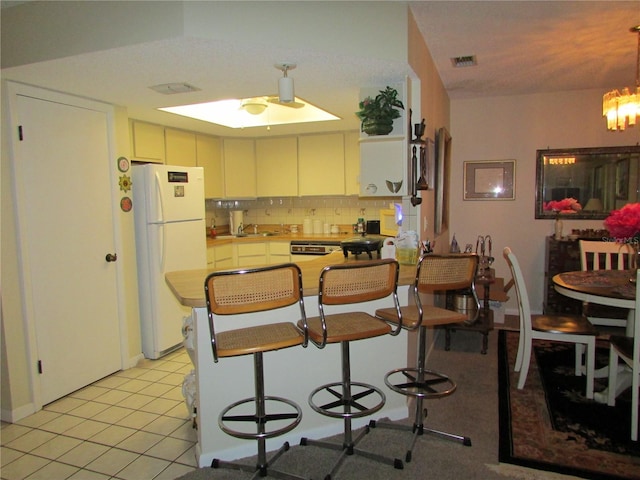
<point x="628" y="350"/>
<point x="559" y="328"/>
<point x="597" y="255"/>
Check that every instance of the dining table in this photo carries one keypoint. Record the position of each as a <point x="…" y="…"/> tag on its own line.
<point x="614" y="288"/>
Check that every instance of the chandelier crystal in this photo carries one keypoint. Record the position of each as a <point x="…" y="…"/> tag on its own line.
<point x="622" y="108"/>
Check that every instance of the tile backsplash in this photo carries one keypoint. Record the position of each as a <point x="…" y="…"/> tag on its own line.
<point x="287" y="211"/>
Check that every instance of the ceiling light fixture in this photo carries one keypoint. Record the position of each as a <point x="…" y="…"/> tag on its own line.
<point x="285" y="84"/>
<point x="622" y="108"/>
<point x="254" y="106"/>
<point x="244" y="113"/>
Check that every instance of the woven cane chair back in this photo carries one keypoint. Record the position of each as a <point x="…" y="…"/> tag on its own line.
<point x="446" y="272"/>
<point x="255" y="290"/>
<point x="358" y="282"/>
<point x="232" y="294"/>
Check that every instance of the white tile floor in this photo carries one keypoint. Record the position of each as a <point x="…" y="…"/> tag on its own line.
<point x="132" y="425"/>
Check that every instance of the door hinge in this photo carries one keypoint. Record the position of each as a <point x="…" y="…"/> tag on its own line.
<point x="40" y="366"/>
<point x="20" y="135"/>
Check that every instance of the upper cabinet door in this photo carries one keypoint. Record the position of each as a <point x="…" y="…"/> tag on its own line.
<point x="321" y="164"/>
<point x="239" y="168"/>
<point x="209" y="156"/>
<point x="147" y="142"/>
<point x="180" y="147"/>
<point x="277" y="167"/>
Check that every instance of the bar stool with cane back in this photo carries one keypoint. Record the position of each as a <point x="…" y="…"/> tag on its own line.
<point x="252" y="292"/>
<point x="434" y="273"/>
<point x="351" y="283"/>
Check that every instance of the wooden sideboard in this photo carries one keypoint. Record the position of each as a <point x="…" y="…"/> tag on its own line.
<point x="560" y="256"/>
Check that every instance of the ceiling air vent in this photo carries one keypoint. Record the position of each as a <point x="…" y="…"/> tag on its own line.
<point x="464" y="61"/>
<point x="171" y="88"/>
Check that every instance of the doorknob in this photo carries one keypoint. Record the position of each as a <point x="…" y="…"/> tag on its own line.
<point x="111" y="257"/>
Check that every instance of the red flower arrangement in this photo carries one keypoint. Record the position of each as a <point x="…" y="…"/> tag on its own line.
<point x="566" y="205"/>
<point x="624" y="224"/>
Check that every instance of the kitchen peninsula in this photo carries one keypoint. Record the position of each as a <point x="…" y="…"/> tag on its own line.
<point x="292" y="373"/>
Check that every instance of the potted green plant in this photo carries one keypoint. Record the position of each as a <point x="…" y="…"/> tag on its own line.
<point x="377" y="114"/>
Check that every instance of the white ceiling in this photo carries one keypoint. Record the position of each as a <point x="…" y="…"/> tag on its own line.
<point x="521" y="47"/>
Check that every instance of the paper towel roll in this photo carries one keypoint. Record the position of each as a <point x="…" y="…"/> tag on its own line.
<point x="306" y="226"/>
<point x="388" y="249"/>
<point x="235" y="221"/>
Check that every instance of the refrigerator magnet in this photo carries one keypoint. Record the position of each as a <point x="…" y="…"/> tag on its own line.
<point x="125" y="183"/>
<point x="123" y="164"/>
<point x="126" y="204"/>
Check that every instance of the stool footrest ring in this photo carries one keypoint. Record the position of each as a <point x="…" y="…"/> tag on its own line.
<point x="425" y="384"/>
<point x="345" y="405"/>
<point x="295" y="417"/>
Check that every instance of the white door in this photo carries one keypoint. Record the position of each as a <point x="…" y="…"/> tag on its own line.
<point x="65" y="221"/>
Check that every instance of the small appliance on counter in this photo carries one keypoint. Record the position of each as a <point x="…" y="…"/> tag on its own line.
<point x="236" y="218"/>
<point x="373" y="227"/>
<point x="362" y="244"/>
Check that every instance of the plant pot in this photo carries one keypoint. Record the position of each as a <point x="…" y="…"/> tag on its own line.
<point x="377" y="127"/>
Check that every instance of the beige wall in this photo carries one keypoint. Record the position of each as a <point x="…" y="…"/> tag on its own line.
<point x="514" y="127"/>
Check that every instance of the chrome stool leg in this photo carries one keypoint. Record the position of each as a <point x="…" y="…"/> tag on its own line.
<point x="260" y="419"/>
<point x="422" y="384"/>
<point x="350" y="407"/>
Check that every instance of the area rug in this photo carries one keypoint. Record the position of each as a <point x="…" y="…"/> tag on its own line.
<point x="550" y="425"/>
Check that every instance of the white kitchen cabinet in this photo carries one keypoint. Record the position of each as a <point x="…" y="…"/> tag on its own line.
<point x="211" y="256"/>
<point x="277" y="167"/>
<point x="147" y="142"/>
<point x="385" y="158"/>
<point x="279" y="252"/>
<point x="180" y="147"/>
<point x="352" y="163"/>
<point x="209" y="156"/>
<point x="224" y="255"/>
<point x="239" y="168"/>
<point x="251" y="254"/>
<point x="381" y="160"/>
<point x="321" y="164"/>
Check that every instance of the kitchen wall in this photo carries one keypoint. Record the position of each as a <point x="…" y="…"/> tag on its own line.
<point x="287" y="211"/>
<point x="514" y="127"/>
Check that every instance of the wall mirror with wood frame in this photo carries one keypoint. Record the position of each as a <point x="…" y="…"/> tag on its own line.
<point x="600" y="179"/>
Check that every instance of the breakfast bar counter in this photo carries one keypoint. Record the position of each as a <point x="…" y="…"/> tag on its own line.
<point x="292" y="373"/>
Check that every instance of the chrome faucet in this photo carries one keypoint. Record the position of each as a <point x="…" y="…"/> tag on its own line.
<point x="244" y="227"/>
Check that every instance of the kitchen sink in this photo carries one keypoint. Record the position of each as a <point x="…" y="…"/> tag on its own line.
<point x="263" y="234"/>
<point x="247" y="235"/>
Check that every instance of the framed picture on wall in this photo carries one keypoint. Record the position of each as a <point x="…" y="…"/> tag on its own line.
<point x="489" y="180"/>
<point x="441" y="181"/>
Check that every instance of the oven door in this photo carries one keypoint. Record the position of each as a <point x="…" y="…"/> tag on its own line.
<point x="302" y="250"/>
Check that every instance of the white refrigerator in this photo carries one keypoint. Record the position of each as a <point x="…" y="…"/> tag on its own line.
<point x="170" y="232"/>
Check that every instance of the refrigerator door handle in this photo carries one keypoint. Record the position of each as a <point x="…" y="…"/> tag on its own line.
<point x="159" y="198"/>
<point x="162" y="231"/>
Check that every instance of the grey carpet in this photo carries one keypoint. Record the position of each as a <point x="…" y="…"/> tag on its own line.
<point x="472" y="411"/>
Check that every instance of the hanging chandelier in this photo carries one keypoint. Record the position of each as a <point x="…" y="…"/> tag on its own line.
<point x="623" y="108"/>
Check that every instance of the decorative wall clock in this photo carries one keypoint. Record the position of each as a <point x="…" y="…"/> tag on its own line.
<point x="123" y="164"/>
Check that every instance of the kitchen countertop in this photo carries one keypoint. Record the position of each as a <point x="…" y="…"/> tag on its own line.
<point x="223" y="239"/>
<point x="188" y="285"/>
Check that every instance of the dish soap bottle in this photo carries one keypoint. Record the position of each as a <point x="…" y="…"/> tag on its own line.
<point x="212" y="232"/>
